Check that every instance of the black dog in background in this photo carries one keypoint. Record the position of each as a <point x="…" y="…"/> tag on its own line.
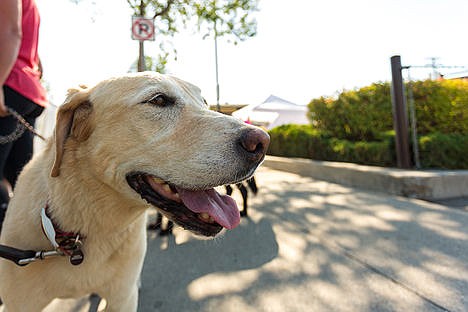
<point x="243" y="188"/>
<point x="158" y="225"/>
<point x="252" y="185"/>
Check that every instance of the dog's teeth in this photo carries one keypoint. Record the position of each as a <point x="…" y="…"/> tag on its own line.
<point x="204" y="216"/>
<point x="158" y="180"/>
<point x="167" y="188"/>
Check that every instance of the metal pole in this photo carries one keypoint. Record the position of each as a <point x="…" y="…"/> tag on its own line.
<point x="216" y="63"/>
<point x="400" y="116"/>
<point x="414" y="131"/>
<point x="141" y="57"/>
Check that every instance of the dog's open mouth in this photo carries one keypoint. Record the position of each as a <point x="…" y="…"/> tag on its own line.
<point x="204" y="212"/>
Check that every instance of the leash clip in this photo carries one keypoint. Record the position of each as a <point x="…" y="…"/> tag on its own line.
<point x="40" y="255"/>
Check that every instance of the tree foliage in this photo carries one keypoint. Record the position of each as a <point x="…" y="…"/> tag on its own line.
<point x="157" y="64"/>
<point x="230" y="18"/>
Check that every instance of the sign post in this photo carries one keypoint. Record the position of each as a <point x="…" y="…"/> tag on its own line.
<point x="142" y="29"/>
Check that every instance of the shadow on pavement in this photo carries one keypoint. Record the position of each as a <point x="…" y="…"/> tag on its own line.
<point x="418" y="246"/>
<point x="175" y="275"/>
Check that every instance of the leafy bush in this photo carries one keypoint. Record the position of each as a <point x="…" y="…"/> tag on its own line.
<point x="447" y="151"/>
<point x="366" y="153"/>
<point x="354" y="115"/>
<point x="437" y="150"/>
<point x="363" y="114"/>
<point x="298" y="141"/>
<point x="304" y="141"/>
<point x="357" y="126"/>
<point x="441" y="106"/>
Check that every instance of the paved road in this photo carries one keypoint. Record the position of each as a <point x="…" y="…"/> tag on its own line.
<point x="313" y="246"/>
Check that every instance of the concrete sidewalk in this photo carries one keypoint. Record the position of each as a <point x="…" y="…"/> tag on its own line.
<point x="432" y="185"/>
<point x="311" y="245"/>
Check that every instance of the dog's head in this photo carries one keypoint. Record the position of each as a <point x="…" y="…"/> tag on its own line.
<point x="152" y="137"/>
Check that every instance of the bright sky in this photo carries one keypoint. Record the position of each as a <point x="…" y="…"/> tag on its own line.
<point x="304" y="49"/>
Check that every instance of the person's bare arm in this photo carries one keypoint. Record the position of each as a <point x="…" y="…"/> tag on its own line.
<point x="41" y="70"/>
<point x="10" y="41"/>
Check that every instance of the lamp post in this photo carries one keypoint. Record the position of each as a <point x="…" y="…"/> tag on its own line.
<point x="216" y="63"/>
<point x="141" y="56"/>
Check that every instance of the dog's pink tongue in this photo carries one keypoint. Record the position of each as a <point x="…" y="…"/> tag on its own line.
<point x="222" y="208"/>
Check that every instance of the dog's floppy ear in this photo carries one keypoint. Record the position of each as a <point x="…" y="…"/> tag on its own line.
<point x="72" y="122"/>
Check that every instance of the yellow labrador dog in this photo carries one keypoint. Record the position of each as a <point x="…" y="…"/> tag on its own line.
<point x="119" y="146"/>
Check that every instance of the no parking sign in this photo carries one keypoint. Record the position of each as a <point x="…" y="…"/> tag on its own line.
<point x="142" y="28"/>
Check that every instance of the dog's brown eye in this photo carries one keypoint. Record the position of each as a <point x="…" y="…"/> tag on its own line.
<point x="160" y="100"/>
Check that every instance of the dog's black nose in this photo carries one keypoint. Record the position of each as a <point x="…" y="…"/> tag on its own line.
<point x="255" y="142"/>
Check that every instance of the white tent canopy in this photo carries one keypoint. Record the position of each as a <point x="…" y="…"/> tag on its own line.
<point x="273" y="112"/>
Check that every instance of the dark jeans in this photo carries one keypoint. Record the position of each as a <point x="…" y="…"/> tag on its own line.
<point x="14" y="155"/>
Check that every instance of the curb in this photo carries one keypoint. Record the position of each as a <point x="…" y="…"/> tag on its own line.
<point x="421" y="184"/>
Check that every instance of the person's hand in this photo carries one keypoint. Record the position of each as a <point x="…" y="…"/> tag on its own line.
<point x="3" y="108"/>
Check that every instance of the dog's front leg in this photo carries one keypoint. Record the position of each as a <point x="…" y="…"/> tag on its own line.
<point x="122" y="301"/>
<point x="33" y="302"/>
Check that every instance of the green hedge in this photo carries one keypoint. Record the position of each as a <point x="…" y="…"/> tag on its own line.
<point x="436" y="150"/>
<point x="363" y="114"/>
<point x="354" y="115"/>
<point x="299" y="141"/>
<point x="357" y="126"/>
<point x="449" y="151"/>
<point x="306" y="142"/>
<point x="441" y="106"/>
<point x="361" y="152"/>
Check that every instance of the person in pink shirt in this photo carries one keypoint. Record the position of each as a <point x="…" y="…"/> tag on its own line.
<point x="21" y="89"/>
